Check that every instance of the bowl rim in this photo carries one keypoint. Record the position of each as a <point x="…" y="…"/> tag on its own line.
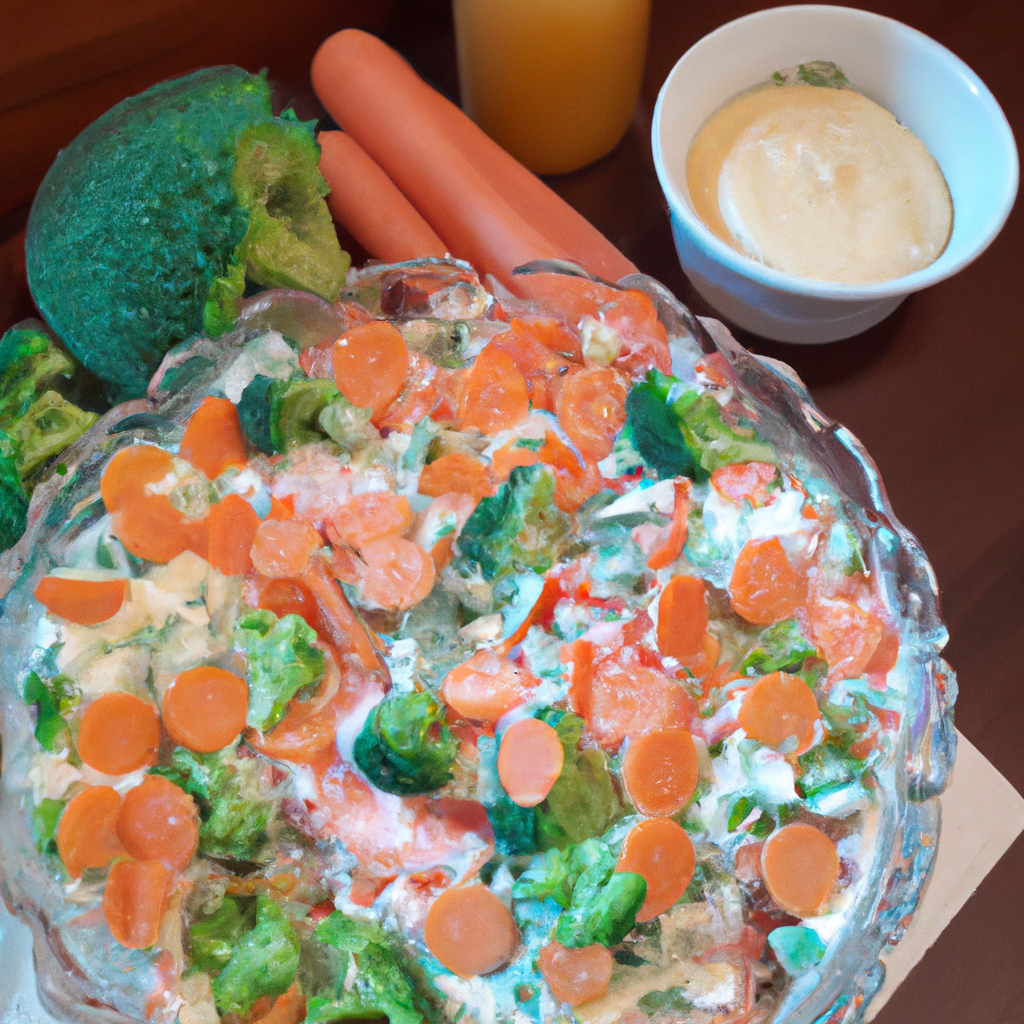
<point x="752" y="270"/>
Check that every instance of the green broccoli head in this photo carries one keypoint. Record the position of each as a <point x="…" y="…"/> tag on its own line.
<point x="141" y="219"/>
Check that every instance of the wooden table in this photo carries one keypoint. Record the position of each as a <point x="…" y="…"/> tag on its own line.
<point x="934" y="392"/>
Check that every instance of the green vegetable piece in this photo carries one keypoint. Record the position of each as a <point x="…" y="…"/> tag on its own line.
<point x="824" y="74"/>
<point x="404" y="746"/>
<point x="52" y="701"/>
<point x="515" y="827"/>
<point x="671" y="1001"/>
<point x="13" y="499"/>
<point x="46" y="429"/>
<point x="220" y="311"/>
<point x="45" y="818"/>
<point x="30" y="364"/>
<point x="781" y="646"/>
<point x="518" y="528"/>
<point x="605" y="914"/>
<point x="256" y="412"/>
<point x="282" y="661"/>
<point x="349" y="426"/>
<point x="380" y="984"/>
<point x="739" y="812"/>
<point x="798" y="949"/>
<point x="212" y="940"/>
<point x="827" y="765"/>
<point x="653" y="430"/>
<point x="301" y="404"/>
<point x="548" y="876"/>
<point x="262" y="963"/>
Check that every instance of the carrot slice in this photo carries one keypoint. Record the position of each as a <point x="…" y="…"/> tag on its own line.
<point x="440" y="525"/>
<point x="676" y="539"/>
<point x="119" y="734"/>
<point x="87" y="831"/>
<point x="150" y="527"/>
<point x="159" y="821"/>
<point x="371" y="362"/>
<point x="496" y="397"/>
<point x="284" y="547"/>
<point x="213" y="438"/>
<point x="591" y="407"/>
<point x="683" y="618"/>
<point x="486" y="687"/>
<point x="748" y="481"/>
<point x="576" y="479"/>
<point x="800" y="867"/>
<point x="470" y="931"/>
<point x="399" y="574"/>
<point x="659" y="771"/>
<point x="368" y="204"/>
<point x="232" y="526"/>
<point x="134" y="901"/>
<point x="778" y="710"/>
<point x="846" y="634"/>
<point x="85" y="602"/>
<point x="288" y="1008"/>
<point x="371" y="516"/>
<point x="128" y="472"/>
<point x="764" y="587"/>
<point x="306" y="735"/>
<point x="204" y="708"/>
<point x="660" y="851"/>
<point x="284" y="596"/>
<point x="341" y="627"/>
<point x="576" y="976"/>
<point x="456" y="473"/>
<point x="530" y="760"/>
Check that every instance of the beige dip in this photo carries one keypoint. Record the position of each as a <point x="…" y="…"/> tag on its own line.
<point x="819" y="182"/>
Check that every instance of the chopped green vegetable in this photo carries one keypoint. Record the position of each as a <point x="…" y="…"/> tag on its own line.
<point x="257" y="415"/>
<point x="301" y="404"/>
<point x="45" y="818"/>
<point x="263" y="961"/>
<point x="826" y="765"/>
<point x="30" y="364"/>
<point x="781" y="646"/>
<point x="824" y="74"/>
<point x="604" y="913"/>
<point x="671" y="1001"/>
<point x="797" y="948"/>
<point x="349" y="426"/>
<point x="404" y="746"/>
<point x="212" y="940"/>
<point x="653" y="430"/>
<point x="515" y="827"/>
<point x="46" y="429"/>
<point x="739" y="812"/>
<point x="13" y="499"/>
<point x="379" y="984"/>
<point x="518" y="528"/>
<point x="282" y="661"/>
<point x="53" y="699"/>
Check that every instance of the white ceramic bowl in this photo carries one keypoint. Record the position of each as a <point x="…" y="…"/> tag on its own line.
<point x="923" y="84"/>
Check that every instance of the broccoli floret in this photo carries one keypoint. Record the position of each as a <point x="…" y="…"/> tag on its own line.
<point x="780" y="646"/>
<point x="282" y="661"/>
<point x="213" y="939"/>
<point x="404" y="746"/>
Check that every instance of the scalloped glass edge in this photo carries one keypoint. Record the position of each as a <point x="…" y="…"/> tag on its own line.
<point x="839" y="990"/>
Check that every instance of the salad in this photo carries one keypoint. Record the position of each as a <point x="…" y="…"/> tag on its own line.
<point x="447" y="657"/>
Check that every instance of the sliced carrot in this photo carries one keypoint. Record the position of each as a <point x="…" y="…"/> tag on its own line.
<point x="530" y="760"/>
<point x="288" y="1008"/>
<point x="204" y="708"/>
<point x="85" y="602"/>
<point x="87" y="831"/>
<point x="683" y="618"/>
<point x="370" y="516"/>
<point x="119" y="734"/>
<point x="634" y="318"/>
<point x="159" y="821"/>
<point x="341" y="627"/>
<point x="846" y="635"/>
<point x="554" y="334"/>
<point x="399" y="573"/>
<point x="674" y="543"/>
<point x="511" y="455"/>
<point x="565" y="296"/>
<point x="307" y="734"/>
<point x="371" y="363"/>
<point x="232" y="526"/>
<point x="778" y="710"/>
<point x="134" y="900"/>
<point x="213" y="438"/>
<point x="886" y="654"/>
<point x="591" y="407"/>
<point x="130" y="470"/>
<point x="284" y="547"/>
<point x="576" y="976"/>
<point x="440" y="525"/>
<point x="660" y="851"/>
<point x="456" y="473"/>
<point x="152" y="528"/>
<point x="470" y="931"/>
<point x="486" y="687"/>
<point x="748" y="481"/>
<point x="800" y="867"/>
<point x="576" y="479"/>
<point x="764" y="587"/>
<point x="367" y="203"/>
<point x="284" y="596"/>
<point x="659" y="771"/>
<point x="541" y="367"/>
<point x="496" y="398"/>
<point x="282" y="508"/>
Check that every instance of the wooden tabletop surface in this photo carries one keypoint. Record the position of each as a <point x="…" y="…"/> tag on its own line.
<point x="935" y="392"/>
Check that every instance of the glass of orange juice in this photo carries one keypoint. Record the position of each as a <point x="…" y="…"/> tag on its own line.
<point x="552" y="81"/>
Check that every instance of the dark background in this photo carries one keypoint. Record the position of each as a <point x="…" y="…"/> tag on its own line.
<point x="934" y="392"/>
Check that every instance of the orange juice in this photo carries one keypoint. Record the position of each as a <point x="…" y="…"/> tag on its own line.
<point x="553" y="81"/>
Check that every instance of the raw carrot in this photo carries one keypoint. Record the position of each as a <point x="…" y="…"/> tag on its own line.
<point x="576" y="976"/>
<point x="159" y="821"/>
<point x="470" y="930"/>
<point x="399" y="573"/>
<point x="846" y="635"/>
<point x="800" y="867"/>
<point x="780" y="711"/>
<point x="341" y="627"/>
<point x="496" y="397"/>
<point x="306" y="735"/>
<point x="456" y="473"/>
<point x="370" y="516"/>
<point x="288" y="1008"/>
<point x="659" y="771"/>
<point x="232" y="526"/>
<point x="367" y="203"/>
<point x="668" y="552"/>
<point x="764" y="587"/>
<point x="530" y="760"/>
<point x="204" y="708"/>
<point x="660" y="851"/>
<point x="486" y="686"/>
<point x="683" y="618"/>
<point x="213" y="438"/>
<point x="364" y="84"/>
<point x="371" y="363"/>
<point x="134" y="900"/>
<point x="130" y="470"/>
<point x="285" y="596"/>
<point x="87" y="831"/>
<point x="591" y="407"/>
<point x="746" y="481"/>
<point x="85" y="602"/>
<point x="284" y="547"/>
<point x="119" y="734"/>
